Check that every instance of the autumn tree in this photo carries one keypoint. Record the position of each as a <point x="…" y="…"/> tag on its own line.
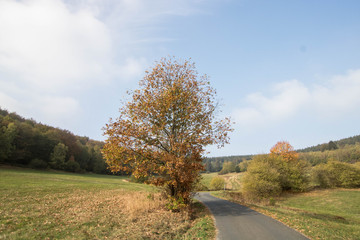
<point x="294" y="172"/>
<point x="285" y="150"/>
<point x="269" y="175"/>
<point x="163" y="130"/>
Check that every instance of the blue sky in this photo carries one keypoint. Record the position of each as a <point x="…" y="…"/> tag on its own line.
<point x="284" y="70"/>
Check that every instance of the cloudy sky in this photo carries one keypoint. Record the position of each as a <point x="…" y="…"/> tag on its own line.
<point x="284" y="70"/>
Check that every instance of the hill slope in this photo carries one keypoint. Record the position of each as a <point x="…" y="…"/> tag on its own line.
<point x="26" y="142"/>
<point x="328" y="146"/>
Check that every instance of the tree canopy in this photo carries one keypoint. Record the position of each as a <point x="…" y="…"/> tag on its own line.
<point x="285" y="150"/>
<point x="163" y="130"/>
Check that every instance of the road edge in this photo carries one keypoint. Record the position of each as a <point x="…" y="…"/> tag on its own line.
<point x="261" y="212"/>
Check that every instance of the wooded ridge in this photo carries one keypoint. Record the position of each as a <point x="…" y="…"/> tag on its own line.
<point x="25" y="142"/>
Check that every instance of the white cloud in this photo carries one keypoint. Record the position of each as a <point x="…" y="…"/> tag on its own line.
<point x="131" y="67"/>
<point x="342" y="94"/>
<point x="53" y="52"/>
<point x="335" y="98"/>
<point x="46" y="46"/>
<point x="49" y="108"/>
<point x="58" y="109"/>
<point x="289" y="97"/>
<point x="9" y="101"/>
<point x="54" y="45"/>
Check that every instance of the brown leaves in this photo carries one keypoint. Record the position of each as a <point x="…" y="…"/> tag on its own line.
<point x="164" y="129"/>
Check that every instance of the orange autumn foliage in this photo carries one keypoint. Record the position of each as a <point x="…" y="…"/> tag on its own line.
<point x="163" y="130"/>
<point x="285" y="150"/>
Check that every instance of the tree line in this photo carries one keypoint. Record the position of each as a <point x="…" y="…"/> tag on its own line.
<point x="25" y="142"/>
<point x="227" y="163"/>
<point x="345" y="150"/>
<point x="332" y="145"/>
<point x="346" y="153"/>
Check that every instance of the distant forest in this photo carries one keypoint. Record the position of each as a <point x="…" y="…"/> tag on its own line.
<point x="215" y="164"/>
<point x="344" y="150"/>
<point x="332" y="144"/>
<point x="24" y="142"/>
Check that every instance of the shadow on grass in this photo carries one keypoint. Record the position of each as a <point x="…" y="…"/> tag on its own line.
<point x="326" y="217"/>
<point x="320" y="216"/>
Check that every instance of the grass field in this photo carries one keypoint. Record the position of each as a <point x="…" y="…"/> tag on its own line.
<point x="207" y="177"/>
<point x="56" y="205"/>
<point x="232" y="180"/>
<point x="321" y="214"/>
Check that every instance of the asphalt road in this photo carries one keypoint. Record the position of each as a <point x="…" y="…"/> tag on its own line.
<point x="235" y="221"/>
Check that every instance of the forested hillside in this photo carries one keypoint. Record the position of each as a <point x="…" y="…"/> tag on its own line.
<point x="24" y="142"/>
<point x="344" y="150"/>
<point x="333" y="144"/>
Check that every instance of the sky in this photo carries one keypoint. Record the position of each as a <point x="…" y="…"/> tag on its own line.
<point x="283" y="70"/>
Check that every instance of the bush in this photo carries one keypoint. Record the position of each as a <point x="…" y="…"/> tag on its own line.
<point x="294" y="176"/>
<point x="336" y="174"/>
<point x="99" y="166"/>
<point x="269" y="175"/>
<point x="346" y="175"/>
<point x="217" y="183"/>
<point x="320" y="176"/>
<point x="262" y="179"/>
<point x="261" y="189"/>
<point x="38" y="164"/>
<point x="72" y="166"/>
<point x="243" y="165"/>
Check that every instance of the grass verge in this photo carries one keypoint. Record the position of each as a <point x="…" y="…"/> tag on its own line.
<point x="55" y="205"/>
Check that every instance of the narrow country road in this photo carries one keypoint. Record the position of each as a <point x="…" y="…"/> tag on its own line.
<point x="235" y="221"/>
